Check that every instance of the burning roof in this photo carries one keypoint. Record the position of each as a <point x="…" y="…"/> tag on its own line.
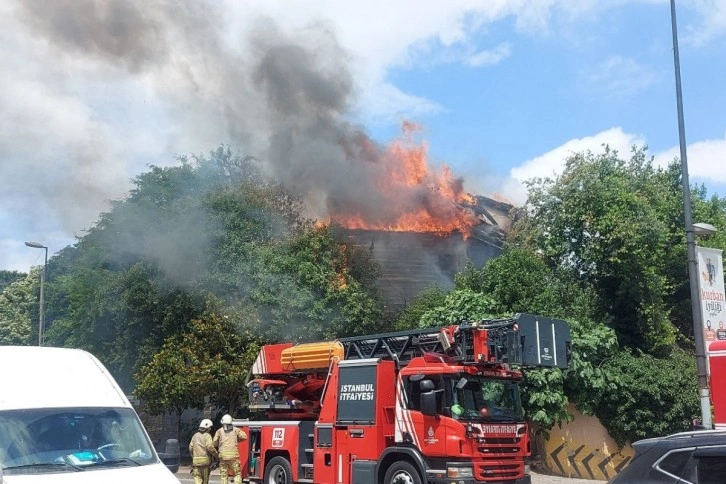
<point x="411" y="196"/>
<point x="421" y="224"/>
<point x="412" y="261"/>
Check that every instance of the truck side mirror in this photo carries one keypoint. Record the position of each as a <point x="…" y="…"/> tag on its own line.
<point x="426" y="386"/>
<point x="428" y="403"/>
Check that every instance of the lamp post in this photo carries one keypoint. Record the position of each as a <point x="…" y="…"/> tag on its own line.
<point x="41" y="323"/>
<point x="701" y="364"/>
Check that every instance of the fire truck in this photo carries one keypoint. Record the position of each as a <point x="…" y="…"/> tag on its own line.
<point x="427" y="406"/>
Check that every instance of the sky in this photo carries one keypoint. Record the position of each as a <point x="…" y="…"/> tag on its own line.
<point x="95" y="91"/>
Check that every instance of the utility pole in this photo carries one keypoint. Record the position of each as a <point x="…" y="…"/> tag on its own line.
<point x="41" y="322"/>
<point x="701" y="363"/>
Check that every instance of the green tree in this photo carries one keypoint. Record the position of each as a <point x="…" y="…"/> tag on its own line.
<point x="459" y="306"/>
<point x="168" y="382"/>
<point x="8" y="277"/>
<point x="209" y="361"/>
<point x="210" y="229"/>
<point x="18" y="301"/>
<point x="410" y="316"/>
<point x="520" y="281"/>
<point x="611" y="223"/>
<point x="651" y="396"/>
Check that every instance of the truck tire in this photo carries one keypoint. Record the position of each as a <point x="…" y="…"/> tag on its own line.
<point x="278" y="471"/>
<point x="402" y="472"/>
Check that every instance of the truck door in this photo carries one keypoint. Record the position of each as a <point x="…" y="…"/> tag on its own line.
<point x="358" y="439"/>
<point x="425" y="400"/>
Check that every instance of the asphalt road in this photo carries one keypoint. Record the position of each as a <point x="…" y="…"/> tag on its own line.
<point x="186" y="478"/>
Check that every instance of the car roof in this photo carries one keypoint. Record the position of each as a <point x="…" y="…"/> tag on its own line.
<point x="683" y="439"/>
<point x="45" y="377"/>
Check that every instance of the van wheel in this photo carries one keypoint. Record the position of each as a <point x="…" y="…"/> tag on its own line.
<point x="278" y="471"/>
<point x="402" y="472"/>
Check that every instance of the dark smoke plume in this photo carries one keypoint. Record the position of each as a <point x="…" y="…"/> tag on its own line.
<point x="193" y="82"/>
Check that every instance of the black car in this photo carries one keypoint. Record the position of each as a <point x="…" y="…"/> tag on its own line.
<point x="697" y="457"/>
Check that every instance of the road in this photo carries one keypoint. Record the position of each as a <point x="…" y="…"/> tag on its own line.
<point x="186" y="478"/>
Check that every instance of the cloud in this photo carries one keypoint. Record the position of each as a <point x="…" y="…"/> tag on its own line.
<point x="490" y="57"/>
<point x="619" y="78"/>
<point x="712" y="22"/>
<point x="706" y="159"/>
<point x="552" y="162"/>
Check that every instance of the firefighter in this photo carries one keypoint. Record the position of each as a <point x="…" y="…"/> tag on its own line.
<point x="225" y="440"/>
<point x="202" y="450"/>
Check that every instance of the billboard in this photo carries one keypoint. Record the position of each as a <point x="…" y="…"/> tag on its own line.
<point x="711" y="295"/>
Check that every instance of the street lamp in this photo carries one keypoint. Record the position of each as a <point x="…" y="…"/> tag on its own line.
<point x="691" y="230"/>
<point x="41" y="323"/>
<point x="704" y="229"/>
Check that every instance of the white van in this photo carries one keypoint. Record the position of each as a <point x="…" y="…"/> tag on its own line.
<point x="64" y="419"/>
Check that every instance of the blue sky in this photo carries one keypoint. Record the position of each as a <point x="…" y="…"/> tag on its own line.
<point x="504" y="90"/>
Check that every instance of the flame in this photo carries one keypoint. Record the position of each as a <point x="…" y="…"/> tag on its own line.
<point x="415" y="197"/>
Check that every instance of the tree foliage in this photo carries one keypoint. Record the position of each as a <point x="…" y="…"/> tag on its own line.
<point x="208" y="229"/>
<point x="410" y="316"/>
<point x="651" y="397"/>
<point x="18" y="303"/>
<point x="459" y="306"/>
<point x="209" y="361"/>
<point x="616" y="225"/>
<point x="8" y="277"/>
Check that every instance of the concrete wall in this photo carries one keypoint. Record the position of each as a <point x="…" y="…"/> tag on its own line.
<point x="583" y="449"/>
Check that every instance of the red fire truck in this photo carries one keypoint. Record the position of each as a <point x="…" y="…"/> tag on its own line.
<point x="434" y="406"/>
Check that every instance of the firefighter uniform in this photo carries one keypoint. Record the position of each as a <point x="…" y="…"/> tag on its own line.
<point x="225" y="440"/>
<point x="201" y="448"/>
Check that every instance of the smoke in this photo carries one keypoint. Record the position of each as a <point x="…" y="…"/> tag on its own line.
<point x="118" y="84"/>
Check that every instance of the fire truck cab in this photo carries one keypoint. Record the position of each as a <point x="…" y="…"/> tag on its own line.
<point x="429" y="406"/>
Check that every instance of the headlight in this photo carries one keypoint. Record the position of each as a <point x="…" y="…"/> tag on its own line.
<point x="459" y="472"/>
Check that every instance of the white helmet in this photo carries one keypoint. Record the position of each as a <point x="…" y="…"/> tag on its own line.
<point x="205" y="424"/>
<point x="227" y="421"/>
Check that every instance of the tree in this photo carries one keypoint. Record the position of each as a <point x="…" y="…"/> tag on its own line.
<point x="17" y="304"/>
<point x="602" y="379"/>
<point x="520" y="281"/>
<point x="611" y="223"/>
<point x="8" y="277"/>
<point x="459" y="306"/>
<point x="316" y="287"/>
<point x="651" y="397"/>
<point x="210" y="229"/>
<point x="168" y="381"/>
<point x="209" y="362"/>
<point x="427" y="300"/>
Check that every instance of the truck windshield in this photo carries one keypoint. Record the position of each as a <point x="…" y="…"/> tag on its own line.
<point x="483" y="399"/>
<point x="71" y="440"/>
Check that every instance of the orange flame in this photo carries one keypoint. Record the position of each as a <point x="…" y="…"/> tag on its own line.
<point x="416" y="197"/>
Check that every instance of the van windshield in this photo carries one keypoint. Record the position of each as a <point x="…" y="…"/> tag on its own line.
<point x="71" y="439"/>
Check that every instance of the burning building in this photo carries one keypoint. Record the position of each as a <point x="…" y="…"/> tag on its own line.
<point x="421" y="225"/>
<point x="412" y="261"/>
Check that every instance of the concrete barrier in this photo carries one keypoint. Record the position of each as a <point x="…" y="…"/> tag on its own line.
<point x="583" y="449"/>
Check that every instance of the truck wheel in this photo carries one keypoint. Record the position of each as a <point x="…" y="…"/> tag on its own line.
<point x="402" y="472"/>
<point x="278" y="471"/>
